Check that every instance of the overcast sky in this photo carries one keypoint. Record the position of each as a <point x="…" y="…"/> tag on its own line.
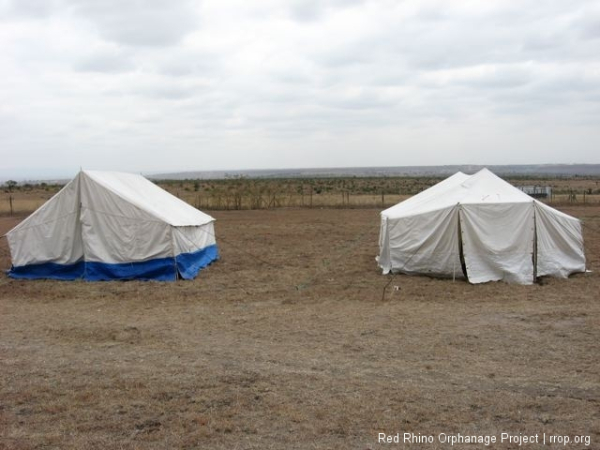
<point x="157" y="86"/>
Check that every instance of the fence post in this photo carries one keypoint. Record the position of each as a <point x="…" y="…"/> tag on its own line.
<point x="10" y="200"/>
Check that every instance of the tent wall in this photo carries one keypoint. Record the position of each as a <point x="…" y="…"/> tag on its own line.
<point x="498" y="242"/>
<point x="123" y="239"/>
<point x="384" y="258"/>
<point x="195" y="248"/>
<point x="190" y="239"/>
<point x="559" y="243"/>
<point x="425" y="243"/>
<point x="51" y="235"/>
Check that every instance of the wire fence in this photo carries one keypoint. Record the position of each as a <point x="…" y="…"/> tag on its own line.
<point x="256" y="194"/>
<point x="18" y="204"/>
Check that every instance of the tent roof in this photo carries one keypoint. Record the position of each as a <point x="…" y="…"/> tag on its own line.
<point x="430" y="196"/>
<point x="150" y="198"/>
<point x="480" y="188"/>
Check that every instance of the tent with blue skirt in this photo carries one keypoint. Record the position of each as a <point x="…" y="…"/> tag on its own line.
<point x="112" y="226"/>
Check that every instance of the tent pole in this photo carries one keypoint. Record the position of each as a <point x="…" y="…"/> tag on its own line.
<point x="453" y="270"/>
<point x="461" y="250"/>
<point x="534" y="249"/>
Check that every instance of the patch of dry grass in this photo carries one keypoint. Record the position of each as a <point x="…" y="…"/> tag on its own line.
<point x="286" y="343"/>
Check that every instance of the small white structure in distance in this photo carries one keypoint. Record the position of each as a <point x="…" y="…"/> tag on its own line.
<point x="537" y="191"/>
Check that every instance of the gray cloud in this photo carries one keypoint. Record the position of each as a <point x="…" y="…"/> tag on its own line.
<point x="107" y="61"/>
<point x="312" y="10"/>
<point x="149" y="23"/>
<point x="38" y="9"/>
<point x="166" y="92"/>
<point x="588" y="26"/>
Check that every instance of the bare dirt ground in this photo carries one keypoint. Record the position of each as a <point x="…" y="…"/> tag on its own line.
<point x="290" y="342"/>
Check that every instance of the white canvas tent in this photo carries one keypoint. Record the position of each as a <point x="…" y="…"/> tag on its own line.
<point x="111" y="225"/>
<point x="481" y="228"/>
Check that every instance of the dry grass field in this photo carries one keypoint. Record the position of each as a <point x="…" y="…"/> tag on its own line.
<point x="289" y="341"/>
